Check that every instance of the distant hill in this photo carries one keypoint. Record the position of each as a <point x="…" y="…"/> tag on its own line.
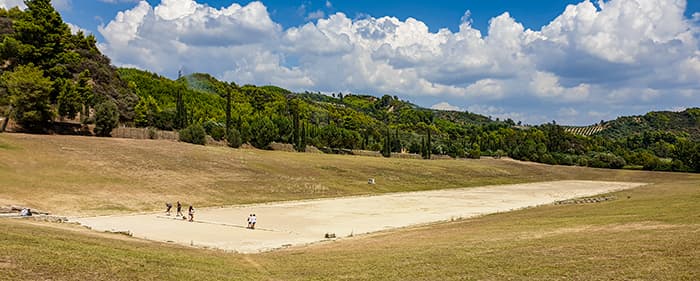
<point x="684" y="122"/>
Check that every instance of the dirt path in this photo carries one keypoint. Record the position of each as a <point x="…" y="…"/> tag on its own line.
<point x="302" y="222"/>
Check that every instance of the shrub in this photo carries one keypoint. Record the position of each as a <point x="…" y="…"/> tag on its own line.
<point x="474" y="153"/>
<point x="263" y="132"/>
<point x="234" y="138"/>
<point x="194" y="134"/>
<point x="564" y="159"/>
<point x="547" y="159"/>
<point x="164" y="120"/>
<point x="215" y="129"/>
<point x="606" y="160"/>
<point x="106" y="118"/>
<point x="498" y="154"/>
<point x="30" y="95"/>
<point x="152" y="133"/>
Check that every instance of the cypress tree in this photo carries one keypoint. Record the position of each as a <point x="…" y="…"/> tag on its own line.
<point x="181" y="114"/>
<point x="428" y="146"/>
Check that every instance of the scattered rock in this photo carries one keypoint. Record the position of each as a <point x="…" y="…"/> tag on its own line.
<point x="123" y="232"/>
<point x="588" y="200"/>
<point x="330" y="235"/>
<point x="49" y="218"/>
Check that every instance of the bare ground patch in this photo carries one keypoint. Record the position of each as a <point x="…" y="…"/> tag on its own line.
<point x="296" y="223"/>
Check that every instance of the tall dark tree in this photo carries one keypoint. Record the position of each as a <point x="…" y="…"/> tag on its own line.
<point x="386" y="149"/>
<point x="181" y="120"/>
<point x="85" y="91"/>
<point x="233" y="87"/>
<point x="42" y="37"/>
<point x="69" y="101"/>
<point x="302" y="138"/>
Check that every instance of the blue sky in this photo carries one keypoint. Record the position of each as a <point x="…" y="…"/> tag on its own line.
<point x="576" y="62"/>
<point x="436" y="14"/>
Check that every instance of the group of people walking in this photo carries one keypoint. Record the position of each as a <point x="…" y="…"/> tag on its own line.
<point x="252" y="219"/>
<point x="190" y="212"/>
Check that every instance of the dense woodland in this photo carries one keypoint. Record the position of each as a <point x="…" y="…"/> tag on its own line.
<point x="50" y="75"/>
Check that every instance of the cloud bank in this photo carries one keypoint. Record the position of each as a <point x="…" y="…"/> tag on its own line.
<point x="596" y="60"/>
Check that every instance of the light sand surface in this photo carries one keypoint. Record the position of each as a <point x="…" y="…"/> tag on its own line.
<point x="297" y="223"/>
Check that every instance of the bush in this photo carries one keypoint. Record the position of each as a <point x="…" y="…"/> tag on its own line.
<point x="498" y="154"/>
<point x="547" y="159"/>
<point x="582" y="161"/>
<point x="30" y="94"/>
<point x="564" y="159"/>
<point x="234" y="138"/>
<point x="474" y="153"/>
<point x="606" y="160"/>
<point x="106" y="118"/>
<point x="263" y="132"/>
<point x="194" y="134"/>
<point x="152" y="133"/>
<point x="164" y="120"/>
<point x="215" y="130"/>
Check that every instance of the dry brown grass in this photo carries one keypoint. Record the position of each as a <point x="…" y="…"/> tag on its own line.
<point x="94" y="176"/>
<point x="648" y="233"/>
<point x="652" y="235"/>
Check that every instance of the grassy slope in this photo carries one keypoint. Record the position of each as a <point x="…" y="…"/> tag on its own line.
<point x="649" y="233"/>
<point x="89" y="176"/>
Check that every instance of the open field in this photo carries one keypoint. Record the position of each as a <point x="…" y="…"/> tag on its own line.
<point x="298" y="223"/>
<point x="648" y="233"/>
<point x="653" y="235"/>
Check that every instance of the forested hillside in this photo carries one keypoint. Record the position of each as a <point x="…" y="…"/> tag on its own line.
<point x="678" y="123"/>
<point x="49" y="74"/>
<point x="261" y="115"/>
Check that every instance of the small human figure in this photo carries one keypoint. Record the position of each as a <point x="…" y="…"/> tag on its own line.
<point x="191" y="213"/>
<point x="179" y="210"/>
<point x="168" y="206"/>
<point x="249" y="220"/>
<point x="26" y="212"/>
<point x="253" y="219"/>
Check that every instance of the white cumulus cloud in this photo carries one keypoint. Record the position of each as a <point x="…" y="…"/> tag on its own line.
<point x="9" y="4"/>
<point x="446" y="106"/>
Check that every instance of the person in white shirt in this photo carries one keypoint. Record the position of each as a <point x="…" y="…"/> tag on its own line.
<point x="253" y="220"/>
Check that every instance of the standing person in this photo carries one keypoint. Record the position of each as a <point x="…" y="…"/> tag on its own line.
<point x="179" y="210"/>
<point x="191" y="213"/>
<point x="253" y="220"/>
<point x="168" y="206"/>
<point x="250" y="218"/>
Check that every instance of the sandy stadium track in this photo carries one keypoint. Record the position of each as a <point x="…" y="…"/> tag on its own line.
<point x="302" y="222"/>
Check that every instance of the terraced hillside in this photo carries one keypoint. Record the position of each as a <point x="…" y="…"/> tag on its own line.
<point x="585" y="131"/>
